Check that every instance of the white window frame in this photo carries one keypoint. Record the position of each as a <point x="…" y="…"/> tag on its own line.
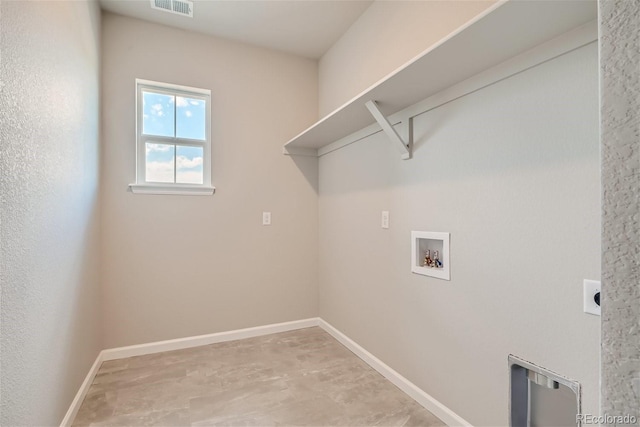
<point x="141" y="185"/>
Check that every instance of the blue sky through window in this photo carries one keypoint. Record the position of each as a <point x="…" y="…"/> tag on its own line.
<point x="158" y="111"/>
<point x="159" y="162"/>
<point x="190" y="118"/>
<point x="174" y="116"/>
<point x="189" y="165"/>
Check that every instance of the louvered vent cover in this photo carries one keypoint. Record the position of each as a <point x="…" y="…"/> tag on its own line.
<point x="179" y="7"/>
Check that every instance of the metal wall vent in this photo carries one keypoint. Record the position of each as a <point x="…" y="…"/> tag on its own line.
<point x="179" y="7"/>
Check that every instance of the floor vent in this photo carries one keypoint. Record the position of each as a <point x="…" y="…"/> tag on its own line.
<point x="179" y="7"/>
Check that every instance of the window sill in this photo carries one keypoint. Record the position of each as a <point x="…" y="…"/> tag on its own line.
<point x="180" y="190"/>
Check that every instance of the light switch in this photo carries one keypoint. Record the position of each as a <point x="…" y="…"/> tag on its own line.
<point x="385" y="219"/>
<point x="266" y="218"/>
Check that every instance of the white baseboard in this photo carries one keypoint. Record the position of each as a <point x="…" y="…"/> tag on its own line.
<point x="419" y="395"/>
<point x="198" y="340"/>
<point x="82" y="392"/>
<point x="424" y="399"/>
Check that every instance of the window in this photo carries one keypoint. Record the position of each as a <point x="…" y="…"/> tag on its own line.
<point x="173" y="142"/>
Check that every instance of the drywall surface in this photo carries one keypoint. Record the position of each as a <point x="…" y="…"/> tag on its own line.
<point x="178" y="266"/>
<point x="49" y="98"/>
<point x="387" y="35"/>
<point x="620" y="127"/>
<point x="512" y="171"/>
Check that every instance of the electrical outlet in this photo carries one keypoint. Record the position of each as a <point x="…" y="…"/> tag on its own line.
<point x="385" y="219"/>
<point x="266" y="218"/>
<point x="591" y="297"/>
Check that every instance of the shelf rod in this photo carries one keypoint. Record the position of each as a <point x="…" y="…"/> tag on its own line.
<point x="404" y="148"/>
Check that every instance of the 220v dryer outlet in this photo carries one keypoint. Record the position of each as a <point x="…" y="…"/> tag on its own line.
<point x="591" y="297"/>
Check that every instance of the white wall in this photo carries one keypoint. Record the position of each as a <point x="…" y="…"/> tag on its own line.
<point x="512" y="172"/>
<point x="177" y="266"/>
<point x="49" y="187"/>
<point x="387" y="35"/>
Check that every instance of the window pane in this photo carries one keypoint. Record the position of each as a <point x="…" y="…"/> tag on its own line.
<point x="160" y="162"/>
<point x="189" y="168"/>
<point x="190" y="118"/>
<point x="158" y="114"/>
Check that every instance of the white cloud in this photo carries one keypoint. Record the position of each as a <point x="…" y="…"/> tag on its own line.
<point x="195" y="102"/>
<point x="189" y="177"/>
<point x="160" y="171"/>
<point x="183" y="162"/>
<point x="156" y="109"/>
<point x="181" y="102"/>
<point x="188" y="113"/>
<point x="163" y="148"/>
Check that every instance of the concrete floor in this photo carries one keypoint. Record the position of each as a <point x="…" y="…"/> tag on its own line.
<point x="302" y="377"/>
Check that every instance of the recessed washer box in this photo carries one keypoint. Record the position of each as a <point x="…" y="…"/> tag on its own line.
<point x="431" y="241"/>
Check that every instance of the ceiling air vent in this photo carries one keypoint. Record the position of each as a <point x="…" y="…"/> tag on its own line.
<point x="179" y="7"/>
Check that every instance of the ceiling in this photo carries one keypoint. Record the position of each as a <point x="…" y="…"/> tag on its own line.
<point x="307" y="28"/>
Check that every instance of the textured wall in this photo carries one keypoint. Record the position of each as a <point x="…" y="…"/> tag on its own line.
<point x="388" y="34"/>
<point x="49" y="183"/>
<point x="512" y="171"/>
<point x="620" y="127"/>
<point x="176" y="266"/>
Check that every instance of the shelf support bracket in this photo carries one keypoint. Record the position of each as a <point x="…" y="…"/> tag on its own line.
<point x="405" y="148"/>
